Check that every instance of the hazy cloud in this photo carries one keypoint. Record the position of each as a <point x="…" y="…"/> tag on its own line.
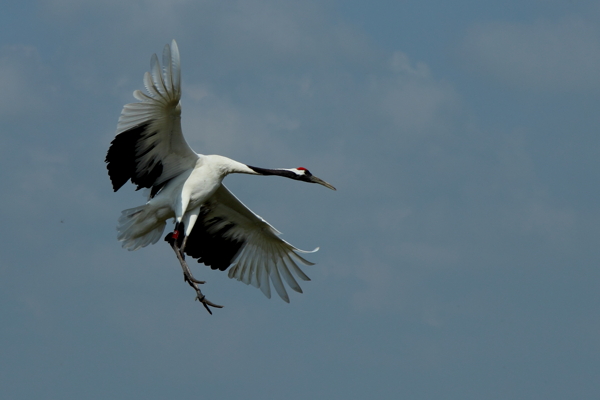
<point x="545" y="54"/>
<point x="23" y="82"/>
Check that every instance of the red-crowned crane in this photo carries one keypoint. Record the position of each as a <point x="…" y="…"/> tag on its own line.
<point x="211" y="224"/>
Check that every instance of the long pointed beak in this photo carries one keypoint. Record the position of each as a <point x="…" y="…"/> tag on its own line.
<point x="314" y="179"/>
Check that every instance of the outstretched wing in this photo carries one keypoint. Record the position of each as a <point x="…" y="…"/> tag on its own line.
<point x="227" y="233"/>
<point x="149" y="147"/>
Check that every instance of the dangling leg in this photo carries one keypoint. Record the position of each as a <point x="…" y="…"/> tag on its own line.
<point x="183" y="229"/>
<point x="188" y="221"/>
<point x="193" y="282"/>
<point x="176" y="240"/>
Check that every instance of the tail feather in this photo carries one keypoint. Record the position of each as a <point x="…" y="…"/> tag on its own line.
<point x="139" y="226"/>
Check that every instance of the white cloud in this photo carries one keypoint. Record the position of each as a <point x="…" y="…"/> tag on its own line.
<point x="22" y="82"/>
<point x="216" y="125"/>
<point x="407" y="94"/>
<point x="287" y="32"/>
<point x="538" y="218"/>
<point x="429" y="255"/>
<point x="549" y="55"/>
<point x="73" y="9"/>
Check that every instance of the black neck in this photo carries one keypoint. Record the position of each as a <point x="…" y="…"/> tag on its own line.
<point x="280" y="172"/>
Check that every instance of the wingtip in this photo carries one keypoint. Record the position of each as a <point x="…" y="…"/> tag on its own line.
<point x="308" y="251"/>
<point x="172" y="50"/>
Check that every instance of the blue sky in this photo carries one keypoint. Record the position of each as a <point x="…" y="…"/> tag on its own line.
<point x="459" y="257"/>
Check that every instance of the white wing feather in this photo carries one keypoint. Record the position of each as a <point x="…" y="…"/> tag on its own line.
<point x="264" y="258"/>
<point x="161" y="110"/>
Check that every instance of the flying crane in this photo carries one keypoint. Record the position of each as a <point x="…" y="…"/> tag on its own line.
<point x="211" y="224"/>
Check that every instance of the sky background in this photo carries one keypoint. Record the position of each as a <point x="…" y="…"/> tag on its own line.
<point x="459" y="257"/>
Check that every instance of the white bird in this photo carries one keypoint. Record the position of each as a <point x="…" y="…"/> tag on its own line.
<point x="211" y="224"/>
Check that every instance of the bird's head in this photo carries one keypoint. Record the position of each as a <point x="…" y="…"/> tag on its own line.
<point x="302" y="174"/>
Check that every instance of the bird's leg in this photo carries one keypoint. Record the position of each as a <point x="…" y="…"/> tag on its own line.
<point x="187" y="273"/>
<point x="180" y="237"/>
<point x="187" y="224"/>
<point x="182" y="247"/>
<point x="194" y="283"/>
<point x="173" y="240"/>
<point x="178" y="234"/>
<point x="176" y="240"/>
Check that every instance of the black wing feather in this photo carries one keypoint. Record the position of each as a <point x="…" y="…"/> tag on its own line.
<point x="123" y="157"/>
<point x="207" y="242"/>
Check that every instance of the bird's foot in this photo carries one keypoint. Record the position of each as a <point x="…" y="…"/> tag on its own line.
<point x="199" y="296"/>
<point x="205" y="302"/>
<point x="193" y="282"/>
<point x="188" y="277"/>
